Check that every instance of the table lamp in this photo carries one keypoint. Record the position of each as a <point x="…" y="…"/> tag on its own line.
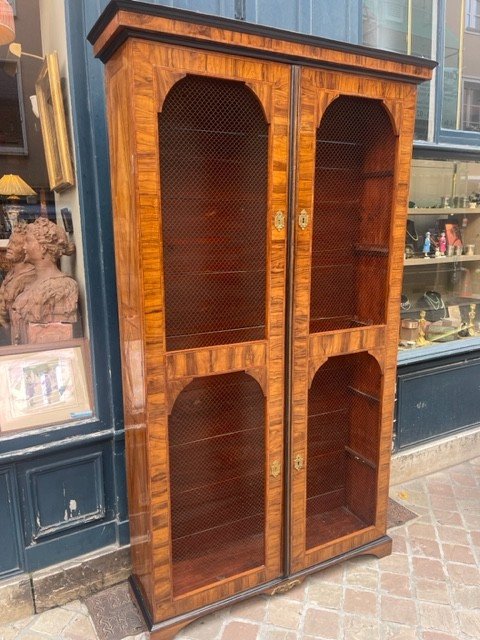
<point x="13" y="187"/>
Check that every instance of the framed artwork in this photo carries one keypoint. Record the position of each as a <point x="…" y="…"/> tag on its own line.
<point x="54" y="126"/>
<point x="13" y="132"/>
<point x="454" y="235"/>
<point x="42" y="385"/>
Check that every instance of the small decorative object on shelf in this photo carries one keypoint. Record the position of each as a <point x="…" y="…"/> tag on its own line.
<point x="445" y="202"/>
<point x="409" y="331"/>
<point x="442" y="243"/>
<point x="427" y="244"/>
<point x="422" y="324"/>
<point x="471" y="318"/>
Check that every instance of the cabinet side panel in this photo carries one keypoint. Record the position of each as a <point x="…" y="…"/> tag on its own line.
<point x="403" y="103"/>
<point x="129" y="289"/>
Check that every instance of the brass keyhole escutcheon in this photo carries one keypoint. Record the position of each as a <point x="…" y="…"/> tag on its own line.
<point x="303" y="219"/>
<point x="298" y="462"/>
<point x="279" y="220"/>
<point x="275" y="469"/>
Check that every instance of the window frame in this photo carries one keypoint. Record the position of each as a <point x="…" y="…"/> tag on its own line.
<point x="472" y="16"/>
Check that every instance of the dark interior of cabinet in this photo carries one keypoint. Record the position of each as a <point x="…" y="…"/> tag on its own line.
<point x="213" y="168"/>
<point x="343" y="433"/>
<point x="217" y="458"/>
<point x="353" y="198"/>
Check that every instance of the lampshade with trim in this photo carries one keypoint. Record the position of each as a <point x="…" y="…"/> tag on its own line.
<point x="13" y="186"/>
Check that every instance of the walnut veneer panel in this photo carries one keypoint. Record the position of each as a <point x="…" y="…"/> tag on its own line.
<point x="163" y="375"/>
<point x="318" y="90"/>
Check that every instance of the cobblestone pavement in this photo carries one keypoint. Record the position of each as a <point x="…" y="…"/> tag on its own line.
<point x="428" y="589"/>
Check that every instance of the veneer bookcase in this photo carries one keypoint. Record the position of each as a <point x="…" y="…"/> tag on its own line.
<point x="259" y="184"/>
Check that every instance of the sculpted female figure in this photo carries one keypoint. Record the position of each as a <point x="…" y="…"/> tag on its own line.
<point x="19" y="276"/>
<point x="47" y="308"/>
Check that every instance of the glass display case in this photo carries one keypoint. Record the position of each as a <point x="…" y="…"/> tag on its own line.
<point x="441" y="283"/>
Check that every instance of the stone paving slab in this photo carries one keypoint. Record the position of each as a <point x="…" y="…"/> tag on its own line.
<point x="428" y="589"/>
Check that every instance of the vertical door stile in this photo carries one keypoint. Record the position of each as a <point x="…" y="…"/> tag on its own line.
<point x="278" y="216"/>
<point x="295" y="77"/>
<point x="306" y="117"/>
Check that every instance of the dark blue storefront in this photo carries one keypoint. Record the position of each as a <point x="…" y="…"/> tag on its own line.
<point x="62" y="489"/>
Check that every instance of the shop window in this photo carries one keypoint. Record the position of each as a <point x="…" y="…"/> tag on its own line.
<point x="44" y="354"/>
<point x="404" y="27"/>
<point x="440" y="305"/>
<point x="461" y="75"/>
<point x="472" y="15"/>
<point x="471" y="106"/>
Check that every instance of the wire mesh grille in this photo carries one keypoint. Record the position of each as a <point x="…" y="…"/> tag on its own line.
<point x="354" y="164"/>
<point x="342" y="444"/>
<point x="217" y="462"/>
<point x="214" y="161"/>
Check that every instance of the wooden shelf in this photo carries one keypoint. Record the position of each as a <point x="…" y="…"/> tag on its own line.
<point x="336" y="523"/>
<point x="413" y="262"/>
<point x="441" y="211"/>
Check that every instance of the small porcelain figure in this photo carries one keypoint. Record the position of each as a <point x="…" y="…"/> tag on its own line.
<point x="427" y="243"/>
<point x="442" y="243"/>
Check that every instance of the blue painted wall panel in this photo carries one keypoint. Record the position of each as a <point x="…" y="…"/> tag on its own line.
<point x="435" y="401"/>
<point x="10" y="554"/>
<point x="65" y="494"/>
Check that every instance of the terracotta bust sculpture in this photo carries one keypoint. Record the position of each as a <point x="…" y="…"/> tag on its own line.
<point x="19" y="276"/>
<point x="46" y="309"/>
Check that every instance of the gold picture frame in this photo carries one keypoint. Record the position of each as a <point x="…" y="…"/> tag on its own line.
<point x="42" y="385"/>
<point x="54" y="126"/>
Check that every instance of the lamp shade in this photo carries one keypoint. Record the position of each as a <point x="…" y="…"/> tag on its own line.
<point x="7" y="25"/>
<point x="14" y="186"/>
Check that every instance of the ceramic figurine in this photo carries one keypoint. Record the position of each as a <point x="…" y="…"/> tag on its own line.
<point x="427" y="243"/>
<point x="442" y="243"/>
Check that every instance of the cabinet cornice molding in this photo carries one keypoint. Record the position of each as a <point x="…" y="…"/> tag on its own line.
<point x="123" y="19"/>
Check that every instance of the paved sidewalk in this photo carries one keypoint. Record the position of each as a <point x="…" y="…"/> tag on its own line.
<point x="428" y="589"/>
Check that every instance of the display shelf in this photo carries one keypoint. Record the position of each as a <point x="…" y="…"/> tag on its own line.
<point x="412" y="262"/>
<point x="438" y="350"/>
<point x="443" y="211"/>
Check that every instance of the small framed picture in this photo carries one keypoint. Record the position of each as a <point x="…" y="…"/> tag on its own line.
<point x="455" y="313"/>
<point x="43" y="385"/>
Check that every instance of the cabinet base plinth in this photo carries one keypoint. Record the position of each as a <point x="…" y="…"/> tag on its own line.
<point x="167" y="629"/>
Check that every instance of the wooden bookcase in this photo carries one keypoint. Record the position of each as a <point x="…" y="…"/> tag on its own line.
<point x="259" y="184"/>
